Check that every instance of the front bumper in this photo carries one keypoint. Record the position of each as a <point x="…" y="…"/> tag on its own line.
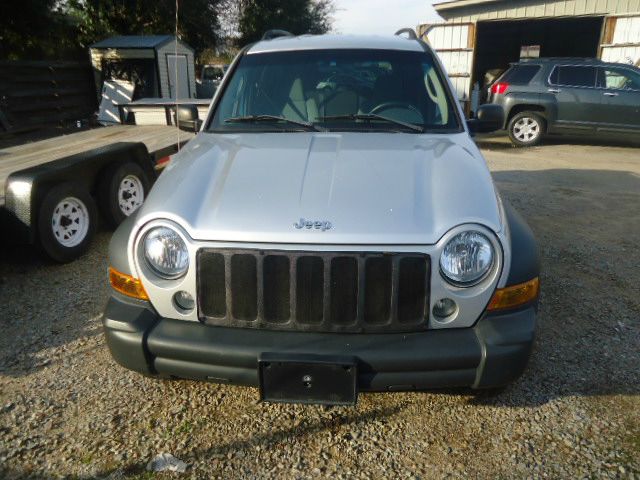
<point x="492" y="353"/>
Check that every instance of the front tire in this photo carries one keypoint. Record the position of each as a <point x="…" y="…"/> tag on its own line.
<point x="526" y="129"/>
<point x="122" y="191"/>
<point x="66" y="222"/>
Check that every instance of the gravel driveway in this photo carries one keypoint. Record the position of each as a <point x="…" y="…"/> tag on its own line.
<point x="66" y="409"/>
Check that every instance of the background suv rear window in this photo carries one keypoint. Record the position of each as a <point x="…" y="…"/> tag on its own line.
<point x="520" y="74"/>
<point x="574" y="76"/>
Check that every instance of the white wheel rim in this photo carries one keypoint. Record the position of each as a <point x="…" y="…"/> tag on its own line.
<point x="526" y="129"/>
<point x="130" y="194"/>
<point x="70" y="222"/>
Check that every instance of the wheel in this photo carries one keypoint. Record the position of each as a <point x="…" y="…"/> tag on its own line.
<point x="66" y="222"/>
<point x="526" y="129"/>
<point x="121" y="192"/>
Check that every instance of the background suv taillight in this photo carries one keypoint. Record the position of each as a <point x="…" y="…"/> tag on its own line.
<point x="499" y="88"/>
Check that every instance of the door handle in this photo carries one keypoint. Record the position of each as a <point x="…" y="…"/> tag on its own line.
<point x="554" y="90"/>
<point x="610" y="94"/>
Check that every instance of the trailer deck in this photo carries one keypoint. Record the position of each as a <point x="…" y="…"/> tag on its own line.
<point x="160" y="141"/>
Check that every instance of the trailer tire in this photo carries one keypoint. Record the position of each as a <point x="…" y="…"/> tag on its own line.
<point x="66" y="222"/>
<point x="122" y="190"/>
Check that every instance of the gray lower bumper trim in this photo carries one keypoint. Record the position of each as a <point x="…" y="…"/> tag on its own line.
<point x="492" y="353"/>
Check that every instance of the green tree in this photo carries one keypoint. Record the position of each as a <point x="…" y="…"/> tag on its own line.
<point x="198" y="23"/>
<point x="58" y="29"/>
<point x="35" y="30"/>
<point x="296" y="16"/>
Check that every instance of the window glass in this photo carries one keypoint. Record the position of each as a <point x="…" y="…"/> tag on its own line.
<point x="621" y="79"/>
<point x="212" y="73"/>
<point x="520" y="74"/>
<point x="575" y="76"/>
<point x="310" y="86"/>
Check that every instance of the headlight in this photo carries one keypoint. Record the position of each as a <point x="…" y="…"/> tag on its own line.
<point x="466" y="258"/>
<point x="166" y="253"/>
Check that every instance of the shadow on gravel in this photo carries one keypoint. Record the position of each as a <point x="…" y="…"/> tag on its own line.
<point x="46" y="305"/>
<point x="587" y="223"/>
<point x="348" y="416"/>
<point x="500" y="141"/>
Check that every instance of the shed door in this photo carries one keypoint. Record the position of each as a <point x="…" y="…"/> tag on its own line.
<point x="621" y="40"/>
<point x="454" y="45"/>
<point x="178" y="76"/>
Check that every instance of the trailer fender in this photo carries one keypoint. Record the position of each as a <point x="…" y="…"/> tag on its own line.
<point x="25" y="189"/>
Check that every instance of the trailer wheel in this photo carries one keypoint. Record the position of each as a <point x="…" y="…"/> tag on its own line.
<point x="66" y="222"/>
<point x="122" y="191"/>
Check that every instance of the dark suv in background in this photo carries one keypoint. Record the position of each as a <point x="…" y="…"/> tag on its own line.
<point x="568" y="96"/>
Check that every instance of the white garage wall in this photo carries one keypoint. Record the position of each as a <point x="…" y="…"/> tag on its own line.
<point x="453" y="44"/>
<point x="625" y="46"/>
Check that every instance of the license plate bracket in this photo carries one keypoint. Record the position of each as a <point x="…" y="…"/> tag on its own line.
<point x="309" y="379"/>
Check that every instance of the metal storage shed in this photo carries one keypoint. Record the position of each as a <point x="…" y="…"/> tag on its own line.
<point x="483" y="35"/>
<point x="146" y="60"/>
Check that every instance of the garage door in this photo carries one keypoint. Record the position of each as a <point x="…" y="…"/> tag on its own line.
<point x="454" y="44"/>
<point x="621" y="41"/>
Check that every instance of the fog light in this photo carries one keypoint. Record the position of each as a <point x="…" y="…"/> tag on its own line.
<point x="184" y="300"/>
<point x="445" y="307"/>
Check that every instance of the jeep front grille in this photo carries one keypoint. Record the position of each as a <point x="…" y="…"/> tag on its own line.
<point x="313" y="291"/>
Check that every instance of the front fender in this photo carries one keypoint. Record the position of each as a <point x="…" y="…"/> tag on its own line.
<point x="525" y="259"/>
<point x="119" y="244"/>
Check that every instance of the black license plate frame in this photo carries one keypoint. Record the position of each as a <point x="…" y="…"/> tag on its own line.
<point x="308" y="379"/>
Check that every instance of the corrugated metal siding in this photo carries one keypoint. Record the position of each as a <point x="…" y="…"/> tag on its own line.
<point x="453" y="36"/>
<point x="453" y="45"/>
<point x="170" y="49"/>
<point x="514" y="9"/>
<point x="630" y="54"/>
<point x="627" y="30"/>
<point x="625" y="41"/>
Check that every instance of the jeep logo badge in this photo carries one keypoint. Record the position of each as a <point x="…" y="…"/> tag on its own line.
<point x="323" y="225"/>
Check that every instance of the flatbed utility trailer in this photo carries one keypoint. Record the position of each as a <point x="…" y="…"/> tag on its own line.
<point x="52" y="190"/>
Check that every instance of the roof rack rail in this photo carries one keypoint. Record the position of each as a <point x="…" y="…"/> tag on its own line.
<point x="271" y="34"/>
<point x="409" y="31"/>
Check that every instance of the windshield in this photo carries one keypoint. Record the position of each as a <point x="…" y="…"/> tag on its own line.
<point x="336" y="90"/>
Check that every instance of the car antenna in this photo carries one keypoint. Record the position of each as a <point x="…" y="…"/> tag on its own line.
<point x="175" y="49"/>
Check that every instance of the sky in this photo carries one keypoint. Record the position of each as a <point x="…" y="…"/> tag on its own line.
<point x="381" y="17"/>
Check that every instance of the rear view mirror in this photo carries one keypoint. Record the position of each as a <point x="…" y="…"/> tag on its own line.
<point x="187" y="118"/>
<point x="489" y="118"/>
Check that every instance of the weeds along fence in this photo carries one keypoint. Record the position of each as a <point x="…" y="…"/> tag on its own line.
<point x="36" y="94"/>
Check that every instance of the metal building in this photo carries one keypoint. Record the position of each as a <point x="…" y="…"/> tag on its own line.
<point x="146" y="60"/>
<point x="481" y="37"/>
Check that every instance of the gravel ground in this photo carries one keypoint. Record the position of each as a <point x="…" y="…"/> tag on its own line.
<point x="67" y="410"/>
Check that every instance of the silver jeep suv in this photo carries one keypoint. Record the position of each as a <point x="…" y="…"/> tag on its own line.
<point x="332" y="229"/>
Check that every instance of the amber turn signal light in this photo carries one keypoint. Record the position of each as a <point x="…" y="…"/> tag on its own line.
<point x="126" y="284"/>
<point x="515" y="295"/>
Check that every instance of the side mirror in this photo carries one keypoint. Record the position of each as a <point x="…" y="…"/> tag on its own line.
<point x="489" y="118"/>
<point x="186" y="118"/>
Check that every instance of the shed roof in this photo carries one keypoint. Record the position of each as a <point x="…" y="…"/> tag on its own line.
<point x="135" y="41"/>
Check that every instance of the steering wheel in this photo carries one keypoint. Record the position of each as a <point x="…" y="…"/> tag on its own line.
<point x="389" y="105"/>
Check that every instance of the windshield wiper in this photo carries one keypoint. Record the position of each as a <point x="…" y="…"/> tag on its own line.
<point x="273" y="118"/>
<point x="373" y="116"/>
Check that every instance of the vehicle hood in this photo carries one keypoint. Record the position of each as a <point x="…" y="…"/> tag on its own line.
<point x="373" y="188"/>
